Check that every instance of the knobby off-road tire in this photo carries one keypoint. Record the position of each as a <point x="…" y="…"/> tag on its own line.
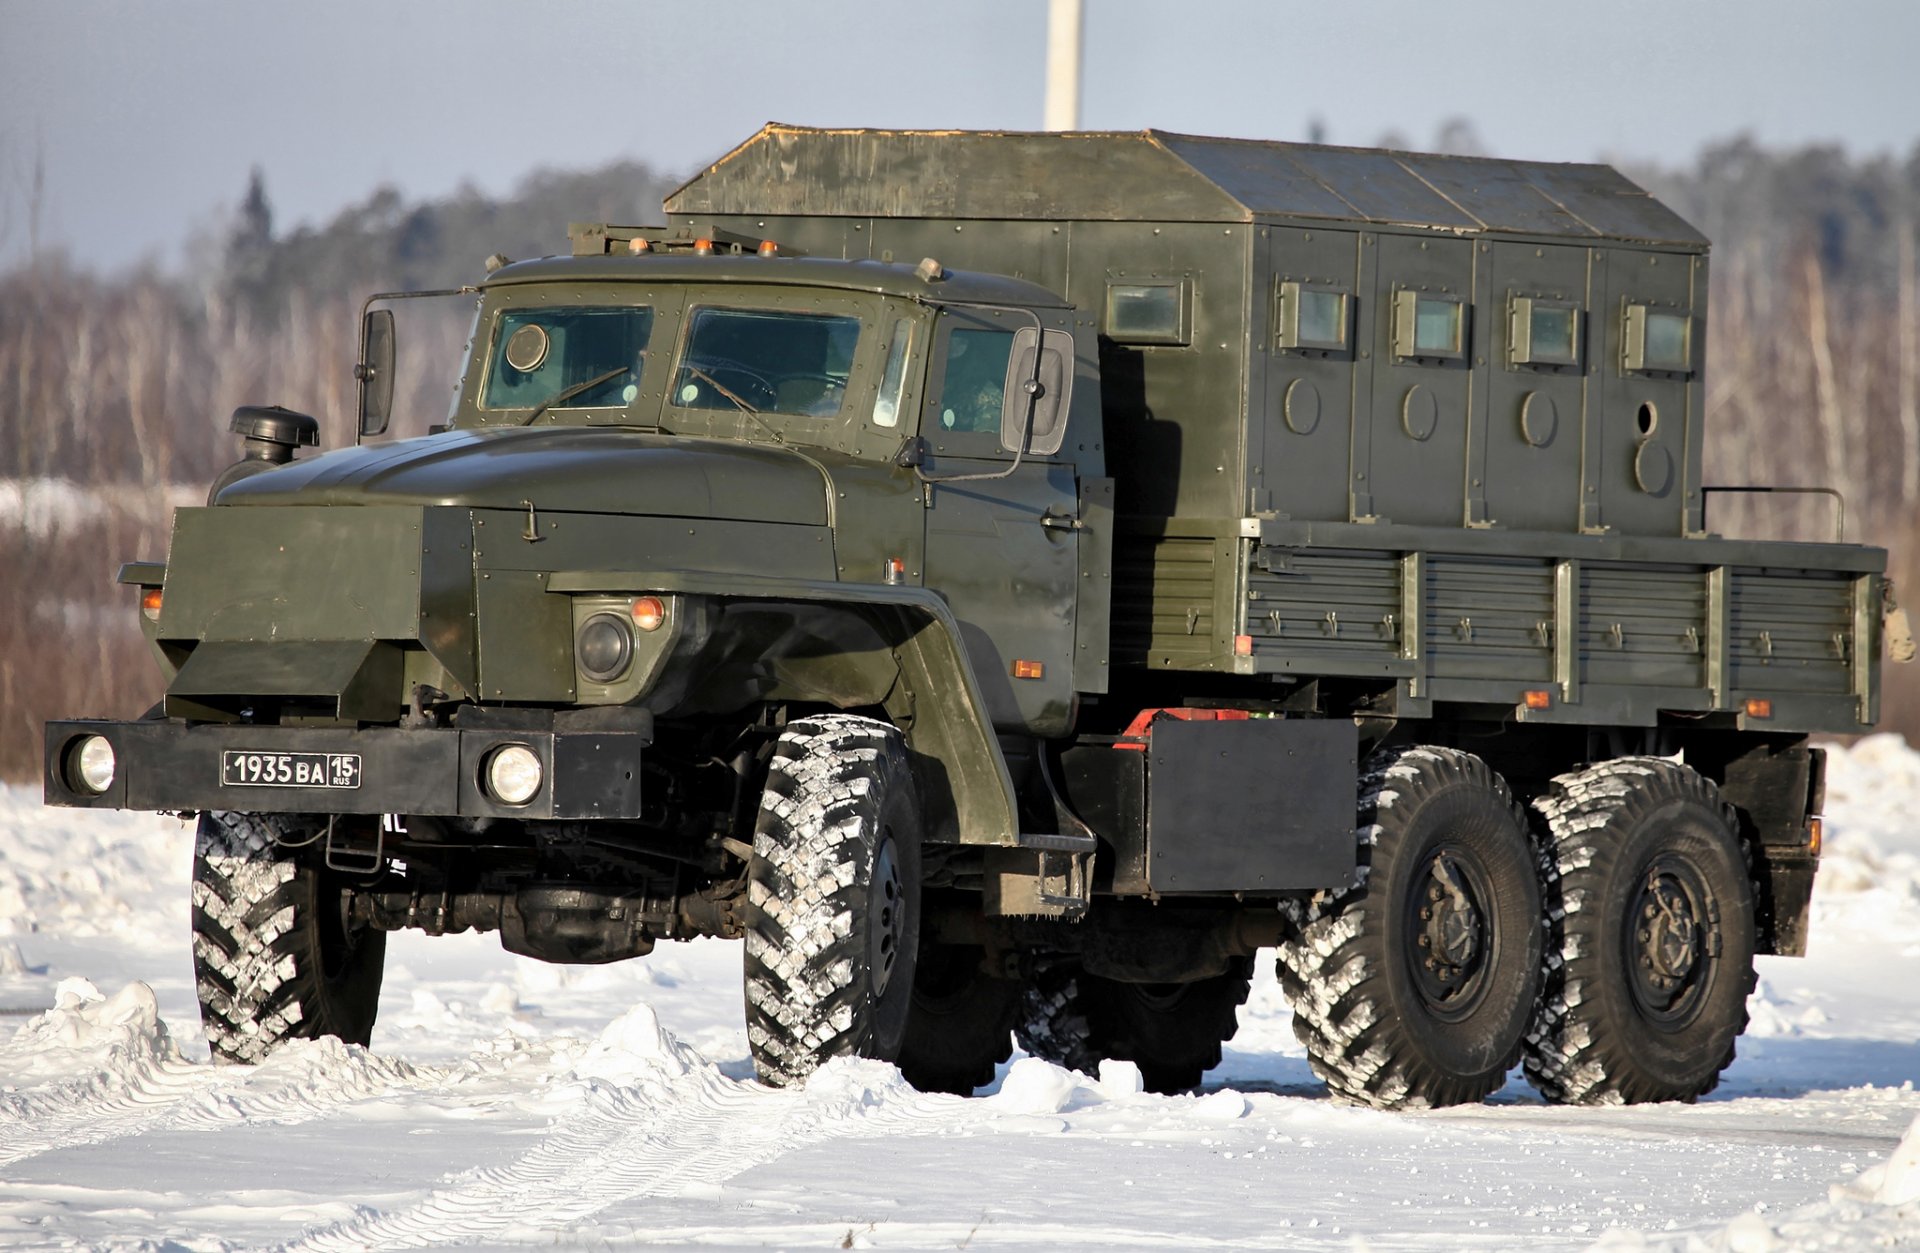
<point x="1650" y="936"/>
<point x="961" y="1024"/>
<point x="1172" y="1031"/>
<point x="1052" y="1022"/>
<point x="273" y="956"/>
<point x="833" y="898"/>
<point x="1414" y="988"/>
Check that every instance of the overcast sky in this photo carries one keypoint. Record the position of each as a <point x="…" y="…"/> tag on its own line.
<point x="146" y="115"/>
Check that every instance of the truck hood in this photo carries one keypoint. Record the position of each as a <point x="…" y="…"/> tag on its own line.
<point x="559" y="469"/>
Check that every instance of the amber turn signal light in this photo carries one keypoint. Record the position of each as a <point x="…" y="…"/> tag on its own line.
<point x="150" y="603"/>
<point x="1029" y="670"/>
<point x="649" y="613"/>
<point x="1759" y="707"/>
<point x="1538" y="698"/>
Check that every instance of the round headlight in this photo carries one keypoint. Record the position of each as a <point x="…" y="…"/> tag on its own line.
<point x="513" y="774"/>
<point x="93" y="764"/>
<point x="603" y="647"/>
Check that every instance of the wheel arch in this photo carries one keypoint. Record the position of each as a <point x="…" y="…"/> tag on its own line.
<point x="895" y="649"/>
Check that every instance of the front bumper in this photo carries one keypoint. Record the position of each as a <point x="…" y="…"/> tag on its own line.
<point x="173" y="765"/>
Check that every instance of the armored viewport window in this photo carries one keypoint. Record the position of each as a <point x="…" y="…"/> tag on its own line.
<point x="973" y="395"/>
<point x="538" y="354"/>
<point x="1657" y="341"/>
<point x="1429" y="328"/>
<point x="1311" y="319"/>
<point x="1147" y="313"/>
<point x="893" y="380"/>
<point x="1543" y="332"/>
<point x="767" y="361"/>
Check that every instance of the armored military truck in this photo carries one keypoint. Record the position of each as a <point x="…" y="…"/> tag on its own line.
<point x="1011" y="581"/>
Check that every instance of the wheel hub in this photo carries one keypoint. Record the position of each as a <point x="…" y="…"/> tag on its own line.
<point x="1669" y="940"/>
<point x="886" y="917"/>
<point x="1449" y="925"/>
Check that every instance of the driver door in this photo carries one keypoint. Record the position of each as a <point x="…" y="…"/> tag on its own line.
<point x="1002" y="550"/>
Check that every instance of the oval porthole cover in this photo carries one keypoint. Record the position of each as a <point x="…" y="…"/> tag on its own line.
<point x="1652" y="468"/>
<point x="1539" y="419"/>
<point x="1301" y="407"/>
<point x="1419" y="412"/>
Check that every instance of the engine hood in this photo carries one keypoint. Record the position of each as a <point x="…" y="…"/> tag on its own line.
<point x="559" y="469"/>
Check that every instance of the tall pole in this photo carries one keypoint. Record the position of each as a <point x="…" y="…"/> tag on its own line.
<point x="1063" y="65"/>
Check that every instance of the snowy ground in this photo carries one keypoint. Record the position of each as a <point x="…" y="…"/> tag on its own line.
<point x="510" y="1103"/>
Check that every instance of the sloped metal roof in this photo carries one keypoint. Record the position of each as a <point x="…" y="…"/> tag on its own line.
<point x="1158" y="176"/>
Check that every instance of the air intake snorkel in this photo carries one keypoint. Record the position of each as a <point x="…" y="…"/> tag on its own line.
<point x="270" y="435"/>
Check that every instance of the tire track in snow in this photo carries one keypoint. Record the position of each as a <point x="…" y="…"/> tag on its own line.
<point x="656" y="1138"/>
<point x="109" y="1069"/>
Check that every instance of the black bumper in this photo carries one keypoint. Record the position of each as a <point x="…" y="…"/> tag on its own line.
<point x="171" y="765"/>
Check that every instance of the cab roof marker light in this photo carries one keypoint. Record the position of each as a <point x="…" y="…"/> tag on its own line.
<point x="703" y="247"/>
<point x="769" y="249"/>
<point x="638" y="246"/>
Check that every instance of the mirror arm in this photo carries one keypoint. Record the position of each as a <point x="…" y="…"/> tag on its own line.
<point x="363" y="370"/>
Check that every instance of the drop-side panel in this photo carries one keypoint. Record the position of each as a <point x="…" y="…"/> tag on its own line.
<point x="1490" y="618"/>
<point x="1164" y="595"/>
<point x="1790" y="632"/>
<point x="1643" y="625"/>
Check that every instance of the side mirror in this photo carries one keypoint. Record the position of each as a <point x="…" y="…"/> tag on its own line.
<point x="1035" y="416"/>
<point x="375" y="371"/>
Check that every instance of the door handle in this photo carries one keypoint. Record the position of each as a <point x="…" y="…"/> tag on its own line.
<point x="1060" y="518"/>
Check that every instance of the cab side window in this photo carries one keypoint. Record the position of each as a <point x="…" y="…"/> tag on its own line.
<point x="974" y="393"/>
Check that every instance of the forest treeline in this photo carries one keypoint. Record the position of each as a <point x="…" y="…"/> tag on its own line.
<point x="115" y="390"/>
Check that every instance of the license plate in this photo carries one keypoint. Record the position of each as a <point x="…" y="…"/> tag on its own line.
<point x="245" y="768"/>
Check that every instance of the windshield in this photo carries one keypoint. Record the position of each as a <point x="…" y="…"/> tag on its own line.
<point x="538" y="354"/>
<point x="767" y="362"/>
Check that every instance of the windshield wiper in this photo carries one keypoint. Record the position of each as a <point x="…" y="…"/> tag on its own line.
<point x="740" y="404"/>
<point x="569" y="393"/>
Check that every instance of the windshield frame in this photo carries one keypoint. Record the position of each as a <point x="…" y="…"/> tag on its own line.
<point x="875" y="315"/>
<point x="664" y="301"/>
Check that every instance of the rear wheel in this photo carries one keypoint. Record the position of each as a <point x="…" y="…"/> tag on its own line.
<point x="1172" y="1031"/>
<point x="274" y="955"/>
<point x="1650" y="936"/>
<point x="1053" y="1022"/>
<point x="961" y="1025"/>
<point x="833" y="898"/>
<point x="1414" y="988"/>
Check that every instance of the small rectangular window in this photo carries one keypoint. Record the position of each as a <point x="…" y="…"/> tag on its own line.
<point x="893" y="380"/>
<point x="1428" y="327"/>
<point x="1311" y="319"/>
<point x="1657" y="341"/>
<point x="1542" y="332"/>
<point x="1147" y="313"/>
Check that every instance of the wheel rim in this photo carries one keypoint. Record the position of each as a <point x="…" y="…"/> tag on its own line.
<point x="886" y="916"/>
<point x="1452" y="936"/>
<point x="1669" y="942"/>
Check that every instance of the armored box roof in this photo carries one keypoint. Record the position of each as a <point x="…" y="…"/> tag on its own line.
<point x="1158" y="176"/>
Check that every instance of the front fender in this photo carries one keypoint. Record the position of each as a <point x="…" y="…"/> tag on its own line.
<point x="919" y="673"/>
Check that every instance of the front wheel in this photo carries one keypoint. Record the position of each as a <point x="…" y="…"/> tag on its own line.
<point x="275" y="957"/>
<point x="1650" y="940"/>
<point x="1414" y="988"/>
<point x="833" y="897"/>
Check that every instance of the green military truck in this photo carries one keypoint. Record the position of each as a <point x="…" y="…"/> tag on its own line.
<point x="1010" y="581"/>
